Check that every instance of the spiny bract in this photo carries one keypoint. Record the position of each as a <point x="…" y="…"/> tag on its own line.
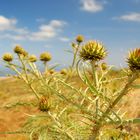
<point x="7" y="57"/>
<point x="63" y="71"/>
<point x="45" y="57"/>
<point x="93" y="51"/>
<point x="32" y="58"/>
<point x="133" y="59"/>
<point x="44" y="104"/>
<point x="20" y="51"/>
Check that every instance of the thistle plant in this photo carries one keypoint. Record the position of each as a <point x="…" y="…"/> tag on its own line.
<point x="8" y="57"/>
<point x="98" y="102"/>
<point x="93" y="51"/>
<point x="45" y="57"/>
<point x="134" y="59"/>
<point x="76" y="47"/>
<point x="44" y="104"/>
<point x="48" y="122"/>
<point x="63" y="71"/>
<point x="32" y="58"/>
<point x="67" y="111"/>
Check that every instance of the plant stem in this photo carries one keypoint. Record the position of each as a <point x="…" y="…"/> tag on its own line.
<point x="75" y="54"/>
<point x="123" y="92"/>
<point x="25" y="80"/>
<point x="46" y="67"/>
<point x="24" y="67"/>
<point x="95" y="79"/>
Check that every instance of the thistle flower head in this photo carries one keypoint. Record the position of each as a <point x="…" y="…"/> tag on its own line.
<point x="93" y="51"/>
<point x="25" y="53"/>
<point x="32" y="58"/>
<point x="20" y="51"/>
<point x="63" y="71"/>
<point x="45" y="57"/>
<point x="7" y="57"/>
<point x="79" y="38"/>
<point x="44" y="104"/>
<point x="104" y="66"/>
<point x="133" y="59"/>
<point x="51" y="71"/>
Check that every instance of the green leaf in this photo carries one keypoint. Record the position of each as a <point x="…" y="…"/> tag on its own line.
<point x="136" y="86"/>
<point x="125" y="122"/>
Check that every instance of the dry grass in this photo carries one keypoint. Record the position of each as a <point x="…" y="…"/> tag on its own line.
<point x="12" y="90"/>
<point x="12" y="119"/>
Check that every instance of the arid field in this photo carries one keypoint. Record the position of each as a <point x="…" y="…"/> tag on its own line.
<point x="12" y="115"/>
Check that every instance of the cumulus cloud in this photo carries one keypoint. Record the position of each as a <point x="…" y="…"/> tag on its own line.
<point x="7" y="24"/>
<point x="48" y="31"/>
<point x="135" y="17"/>
<point x="91" y="6"/>
<point x="12" y="37"/>
<point x="9" y="30"/>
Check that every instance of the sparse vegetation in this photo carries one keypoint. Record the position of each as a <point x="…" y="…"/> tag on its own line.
<point x="86" y="101"/>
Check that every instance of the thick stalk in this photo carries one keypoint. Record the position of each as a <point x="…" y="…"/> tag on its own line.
<point x="95" y="80"/>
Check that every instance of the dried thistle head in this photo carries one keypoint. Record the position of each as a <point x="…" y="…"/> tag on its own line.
<point x="51" y="71"/>
<point x="25" y="53"/>
<point x="7" y="57"/>
<point x="44" y="104"/>
<point x="63" y="71"/>
<point x="133" y="59"/>
<point x="79" y="38"/>
<point x="93" y="51"/>
<point x="20" y="51"/>
<point x="32" y="58"/>
<point x="45" y="57"/>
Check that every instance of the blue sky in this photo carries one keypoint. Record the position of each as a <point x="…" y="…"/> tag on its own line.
<point x="50" y="25"/>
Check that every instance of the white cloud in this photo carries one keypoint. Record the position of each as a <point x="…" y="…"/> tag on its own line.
<point x="9" y="30"/>
<point x="7" y="24"/>
<point x="91" y="6"/>
<point x="48" y="31"/>
<point x="129" y="17"/>
<point x="12" y="36"/>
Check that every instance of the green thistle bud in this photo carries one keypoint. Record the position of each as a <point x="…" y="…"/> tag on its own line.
<point x="79" y="38"/>
<point x="73" y="45"/>
<point x="32" y="58"/>
<point x="45" y="57"/>
<point x="63" y="71"/>
<point x="44" y="104"/>
<point x="133" y="59"/>
<point x="104" y="66"/>
<point x="7" y="57"/>
<point x="93" y="51"/>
